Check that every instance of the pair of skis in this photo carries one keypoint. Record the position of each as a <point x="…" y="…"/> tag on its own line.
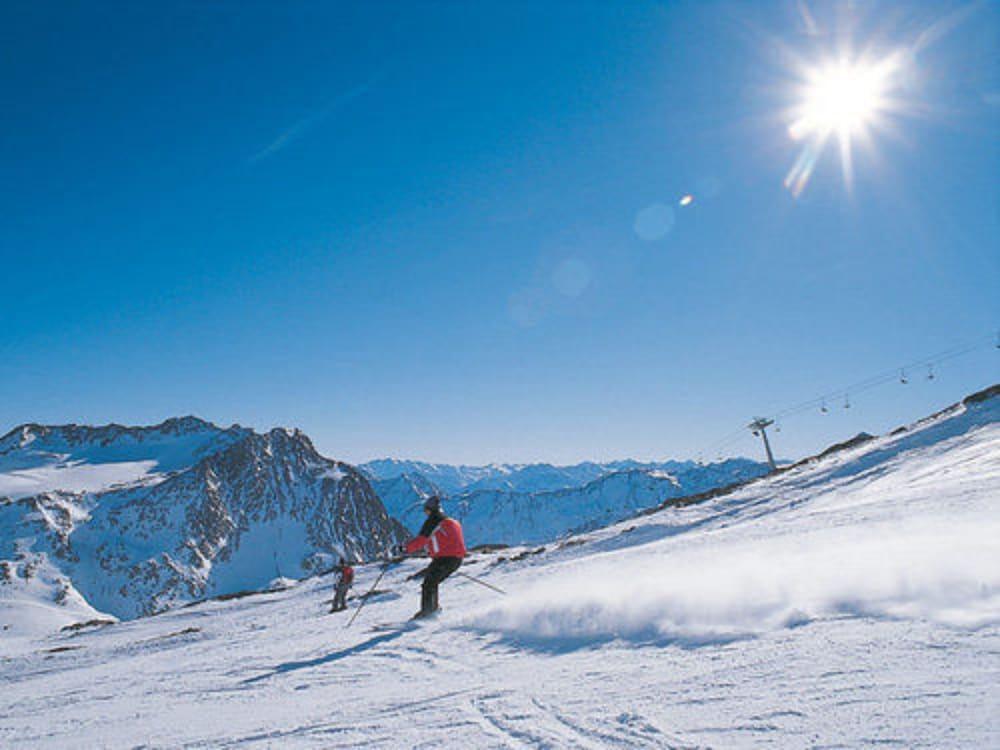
<point x="414" y="623"/>
<point x="388" y="565"/>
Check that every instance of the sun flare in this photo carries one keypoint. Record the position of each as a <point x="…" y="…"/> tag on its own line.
<point x="845" y="99"/>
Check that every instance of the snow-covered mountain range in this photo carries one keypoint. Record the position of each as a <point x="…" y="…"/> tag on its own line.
<point x="539" y="502"/>
<point x="850" y="600"/>
<point x="538" y="477"/>
<point x="130" y="521"/>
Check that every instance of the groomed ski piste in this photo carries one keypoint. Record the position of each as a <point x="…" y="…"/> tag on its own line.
<point x="852" y="600"/>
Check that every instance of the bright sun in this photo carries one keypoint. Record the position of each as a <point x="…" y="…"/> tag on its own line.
<point x="845" y="99"/>
<point x="842" y="98"/>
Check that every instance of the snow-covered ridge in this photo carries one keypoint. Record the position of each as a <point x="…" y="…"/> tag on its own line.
<point x="103" y="436"/>
<point x="77" y="458"/>
<point x="537" y="477"/>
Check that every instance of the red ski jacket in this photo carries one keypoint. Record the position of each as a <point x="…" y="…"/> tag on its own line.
<point x="347" y="575"/>
<point x="442" y="540"/>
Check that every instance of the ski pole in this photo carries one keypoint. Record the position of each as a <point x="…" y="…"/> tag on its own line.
<point x="483" y="583"/>
<point x="364" y="601"/>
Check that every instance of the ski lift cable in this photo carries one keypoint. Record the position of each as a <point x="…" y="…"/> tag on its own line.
<point x="714" y="449"/>
<point x="719" y="446"/>
<point x="882" y="378"/>
<point x="844" y="394"/>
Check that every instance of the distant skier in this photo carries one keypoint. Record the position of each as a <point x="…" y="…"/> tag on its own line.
<point x="442" y="536"/>
<point x="345" y="577"/>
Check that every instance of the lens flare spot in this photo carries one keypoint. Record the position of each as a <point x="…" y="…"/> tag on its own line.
<point x="654" y="222"/>
<point x="571" y="277"/>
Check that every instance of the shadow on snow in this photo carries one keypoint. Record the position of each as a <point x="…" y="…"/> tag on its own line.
<point x="293" y="666"/>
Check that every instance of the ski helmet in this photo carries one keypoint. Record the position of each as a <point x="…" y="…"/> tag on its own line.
<point x="433" y="504"/>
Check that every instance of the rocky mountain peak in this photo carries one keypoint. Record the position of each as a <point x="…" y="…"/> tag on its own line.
<point x="183" y="426"/>
<point x="162" y="515"/>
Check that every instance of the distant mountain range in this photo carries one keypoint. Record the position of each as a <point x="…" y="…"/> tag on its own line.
<point x="538" y="477"/>
<point x="532" y="503"/>
<point x="134" y="520"/>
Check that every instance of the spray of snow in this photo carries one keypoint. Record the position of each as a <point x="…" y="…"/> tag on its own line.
<point x="939" y="570"/>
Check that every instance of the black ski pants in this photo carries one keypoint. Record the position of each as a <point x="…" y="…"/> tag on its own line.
<point x="439" y="569"/>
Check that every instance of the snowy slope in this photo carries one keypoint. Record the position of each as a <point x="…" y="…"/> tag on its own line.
<point x="850" y="601"/>
<point x="36" y="597"/>
<point x="222" y="511"/>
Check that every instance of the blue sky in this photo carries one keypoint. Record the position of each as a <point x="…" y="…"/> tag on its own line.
<point x="452" y="231"/>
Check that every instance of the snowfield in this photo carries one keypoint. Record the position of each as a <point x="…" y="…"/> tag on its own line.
<point x="74" y="476"/>
<point x="853" y="600"/>
<point x="73" y="458"/>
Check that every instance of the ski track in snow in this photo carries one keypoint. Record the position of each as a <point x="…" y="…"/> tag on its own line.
<point x="852" y="647"/>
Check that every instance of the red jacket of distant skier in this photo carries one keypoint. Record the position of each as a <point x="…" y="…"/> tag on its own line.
<point x="347" y="575"/>
<point x="445" y="540"/>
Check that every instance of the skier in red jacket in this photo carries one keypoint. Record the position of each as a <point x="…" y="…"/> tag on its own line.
<point x="345" y="578"/>
<point x="442" y="537"/>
